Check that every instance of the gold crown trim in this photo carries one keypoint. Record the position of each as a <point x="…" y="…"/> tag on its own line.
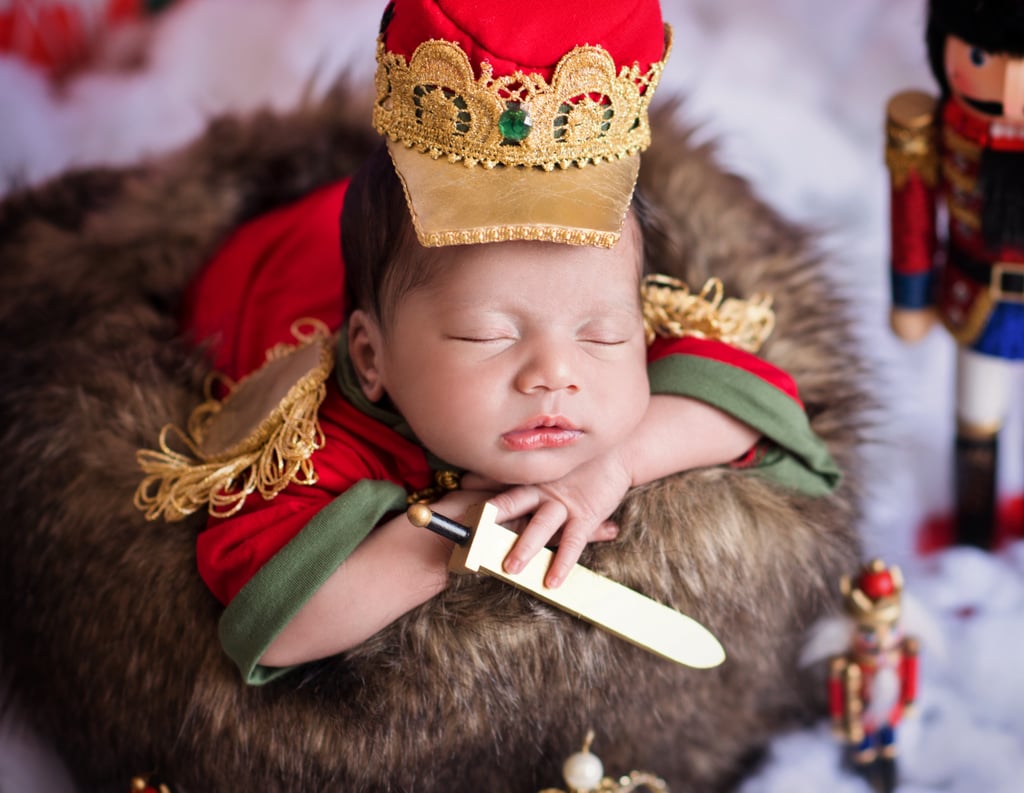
<point x="884" y="610"/>
<point x="587" y="114"/>
<point x="272" y="454"/>
<point x="603" y="239"/>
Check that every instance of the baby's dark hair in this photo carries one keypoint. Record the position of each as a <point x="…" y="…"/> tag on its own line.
<point x="383" y="259"/>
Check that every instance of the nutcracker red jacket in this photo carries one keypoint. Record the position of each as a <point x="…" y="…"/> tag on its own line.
<point x="267" y="560"/>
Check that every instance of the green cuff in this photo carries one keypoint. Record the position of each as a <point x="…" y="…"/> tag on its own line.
<point x="800" y="461"/>
<point x="273" y="596"/>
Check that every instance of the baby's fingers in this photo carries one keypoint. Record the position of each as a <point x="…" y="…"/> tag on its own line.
<point x="575" y="537"/>
<point x="547" y="520"/>
<point x="517" y="501"/>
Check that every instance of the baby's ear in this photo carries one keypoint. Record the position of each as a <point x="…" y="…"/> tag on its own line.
<point x="364" y="348"/>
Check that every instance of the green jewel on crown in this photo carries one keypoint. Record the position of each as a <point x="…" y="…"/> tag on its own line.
<point x="514" y="123"/>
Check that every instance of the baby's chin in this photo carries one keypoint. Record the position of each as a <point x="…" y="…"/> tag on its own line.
<point x="529" y="472"/>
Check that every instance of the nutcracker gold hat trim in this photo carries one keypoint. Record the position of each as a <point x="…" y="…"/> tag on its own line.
<point x="873" y="597"/>
<point x="489" y="158"/>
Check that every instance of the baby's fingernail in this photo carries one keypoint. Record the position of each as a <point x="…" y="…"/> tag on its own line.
<point x="513" y="566"/>
<point x="553" y="581"/>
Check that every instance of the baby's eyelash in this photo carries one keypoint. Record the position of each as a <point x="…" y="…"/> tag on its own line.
<point x="605" y="342"/>
<point x="482" y="338"/>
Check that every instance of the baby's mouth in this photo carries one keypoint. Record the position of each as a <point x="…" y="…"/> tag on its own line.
<point x="546" y="432"/>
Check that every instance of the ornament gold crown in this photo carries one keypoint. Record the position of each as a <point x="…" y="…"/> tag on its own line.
<point x="880" y="609"/>
<point x="588" y="113"/>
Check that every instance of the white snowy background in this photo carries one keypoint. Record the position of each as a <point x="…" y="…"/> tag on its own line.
<point x="793" y="92"/>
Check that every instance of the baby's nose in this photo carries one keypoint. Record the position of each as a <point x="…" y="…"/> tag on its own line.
<point x="549" y="368"/>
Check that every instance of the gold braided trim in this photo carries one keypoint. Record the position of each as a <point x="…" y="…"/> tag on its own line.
<point x="974" y="323"/>
<point x="954" y="141"/>
<point x="670" y="309"/>
<point x="962" y="214"/>
<point x="239" y="445"/>
<point x="587" y="114"/>
<point x="954" y="175"/>
<point x="911" y="152"/>
<point x="561" y="234"/>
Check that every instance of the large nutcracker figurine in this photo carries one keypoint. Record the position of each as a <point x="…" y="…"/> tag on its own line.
<point x="873" y="683"/>
<point x="966" y="148"/>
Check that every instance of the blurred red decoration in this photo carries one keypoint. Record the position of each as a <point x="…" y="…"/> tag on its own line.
<point x="60" y="35"/>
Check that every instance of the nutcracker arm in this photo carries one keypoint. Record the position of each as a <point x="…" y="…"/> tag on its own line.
<point x="911" y="666"/>
<point x="845" y="700"/>
<point x="912" y="157"/>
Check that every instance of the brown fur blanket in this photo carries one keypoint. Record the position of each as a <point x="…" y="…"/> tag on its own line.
<point x="108" y="637"/>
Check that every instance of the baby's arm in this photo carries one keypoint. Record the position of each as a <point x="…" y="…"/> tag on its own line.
<point x="396" y="568"/>
<point x="676" y="434"/>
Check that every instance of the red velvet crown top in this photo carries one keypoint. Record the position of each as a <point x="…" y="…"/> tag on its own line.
<point x="531" y="35"/>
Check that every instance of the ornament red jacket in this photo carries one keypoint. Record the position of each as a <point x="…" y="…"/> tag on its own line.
<point x="267" y="560"/>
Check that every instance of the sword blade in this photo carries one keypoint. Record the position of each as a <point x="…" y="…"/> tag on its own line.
<point x="615" y="608"/>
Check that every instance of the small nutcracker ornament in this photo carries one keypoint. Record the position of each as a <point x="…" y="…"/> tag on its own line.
<point x="874" y="680"/>
<point x="965" y="150"/>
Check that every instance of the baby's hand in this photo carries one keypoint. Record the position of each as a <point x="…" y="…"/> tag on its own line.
<point x="577" y="506"/>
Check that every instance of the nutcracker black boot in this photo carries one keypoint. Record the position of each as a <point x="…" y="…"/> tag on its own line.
<point x="975" y="474"/>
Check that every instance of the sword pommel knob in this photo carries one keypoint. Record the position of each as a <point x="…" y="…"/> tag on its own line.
<point x="419" y="515"/>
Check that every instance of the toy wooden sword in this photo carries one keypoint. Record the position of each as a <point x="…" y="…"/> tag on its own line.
<point x="610" y="606"/>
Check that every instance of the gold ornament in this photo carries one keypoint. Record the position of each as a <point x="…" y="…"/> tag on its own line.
<point x="911" y="138"/>
<point x="588" y="113"/>
<point x="445" y="481"/>
<point x="670" y="309"/>
<point x="259" y="438"/>
<point x="879" y="610"/>
<point x="584" y="773"/>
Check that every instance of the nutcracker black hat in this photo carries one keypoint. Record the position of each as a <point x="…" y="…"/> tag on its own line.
<point x="994" y="25"/>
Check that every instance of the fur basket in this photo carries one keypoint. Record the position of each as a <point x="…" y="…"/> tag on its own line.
<point x="108" y="637"/>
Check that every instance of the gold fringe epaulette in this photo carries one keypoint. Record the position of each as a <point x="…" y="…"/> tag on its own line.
<point x="259" y="438"/>
<point x="672" y="310"/>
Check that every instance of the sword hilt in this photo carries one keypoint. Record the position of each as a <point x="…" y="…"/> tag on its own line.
<point x="423" y="516"/>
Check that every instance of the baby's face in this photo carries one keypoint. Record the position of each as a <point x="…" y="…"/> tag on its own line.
<point x="524" y="359"/>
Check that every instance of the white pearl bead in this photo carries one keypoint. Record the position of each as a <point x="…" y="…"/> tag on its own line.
<point x="583" y="771"/>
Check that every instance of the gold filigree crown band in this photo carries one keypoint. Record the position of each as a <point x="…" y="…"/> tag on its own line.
<point x="589" y="112"/>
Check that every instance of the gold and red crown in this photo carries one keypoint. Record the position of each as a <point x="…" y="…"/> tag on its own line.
<point x="588" y="112"/>
<point x="491" y="114"/>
